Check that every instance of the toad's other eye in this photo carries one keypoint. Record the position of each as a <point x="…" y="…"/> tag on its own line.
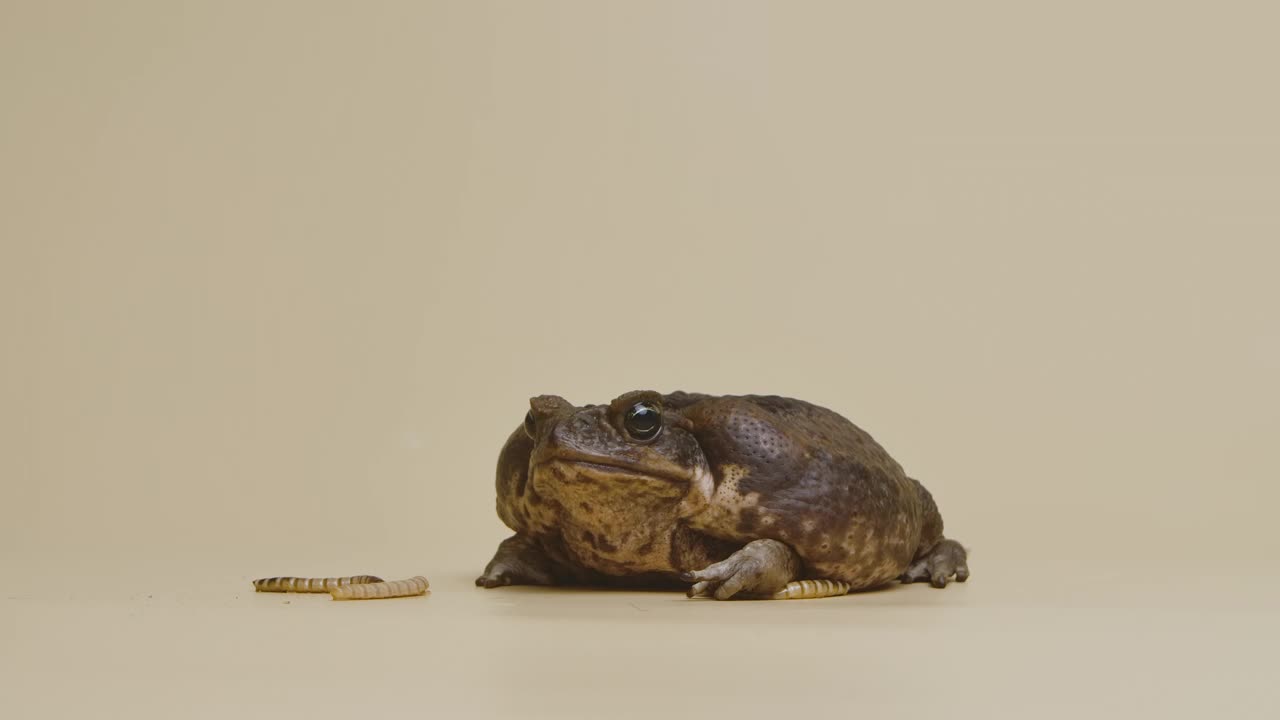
<point x="530" y="427"/>
<point x="643" y="421"/>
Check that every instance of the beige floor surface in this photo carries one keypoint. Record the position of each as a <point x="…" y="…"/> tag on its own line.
<point x="1029" y="646"/>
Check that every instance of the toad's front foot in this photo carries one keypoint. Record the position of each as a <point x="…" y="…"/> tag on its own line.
<point x="519" y="561"/>
<point x="760" y="569"/>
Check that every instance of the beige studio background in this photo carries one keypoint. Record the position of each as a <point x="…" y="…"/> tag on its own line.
<point x="278" y="278"/>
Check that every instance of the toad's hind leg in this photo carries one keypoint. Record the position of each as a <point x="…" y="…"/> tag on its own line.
<point x="944" y="560"/>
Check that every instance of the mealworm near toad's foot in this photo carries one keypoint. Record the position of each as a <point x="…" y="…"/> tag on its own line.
<point x="310" y="585"/>
<point x="809" y="589"/>
<point x="372" y="591"/>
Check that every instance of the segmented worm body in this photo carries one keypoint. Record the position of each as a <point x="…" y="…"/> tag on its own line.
<point x="311" y="585"/>
<point x="809" y="589"/>
<point x="371" y="591"/>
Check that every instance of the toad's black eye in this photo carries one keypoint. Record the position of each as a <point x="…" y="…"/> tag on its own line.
<point x="530" y="427"/>
<point x="643" y="421"/>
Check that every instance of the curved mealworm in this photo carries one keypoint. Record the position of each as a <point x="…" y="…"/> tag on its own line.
<point x="372" y="591"/>
<point x="809" y="589"/>
<point x="310" y="585"/>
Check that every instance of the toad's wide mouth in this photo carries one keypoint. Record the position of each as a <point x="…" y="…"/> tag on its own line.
<point x="614" y="466"/>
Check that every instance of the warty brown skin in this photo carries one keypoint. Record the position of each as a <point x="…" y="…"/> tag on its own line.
<point x="738" y="495"/>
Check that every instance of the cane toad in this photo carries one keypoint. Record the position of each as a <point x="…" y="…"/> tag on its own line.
<point x="733" y="496"/>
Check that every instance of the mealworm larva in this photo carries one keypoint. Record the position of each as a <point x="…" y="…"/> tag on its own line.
<point x="310" y="585"/>
<point x="372" y="591"/>
<point x="809" y="589"/>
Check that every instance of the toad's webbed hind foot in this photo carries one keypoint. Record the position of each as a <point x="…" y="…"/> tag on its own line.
<point x="519" y="561"/>
<point x="946" y="559"/>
